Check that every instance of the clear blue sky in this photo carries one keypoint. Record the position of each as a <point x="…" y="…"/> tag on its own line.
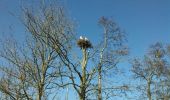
<point x="145" y="21"/>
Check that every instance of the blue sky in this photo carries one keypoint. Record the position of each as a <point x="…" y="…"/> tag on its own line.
<point x="145" y="21"/>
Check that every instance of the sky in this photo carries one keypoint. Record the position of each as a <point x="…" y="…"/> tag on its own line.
<point x="144" y="21"/>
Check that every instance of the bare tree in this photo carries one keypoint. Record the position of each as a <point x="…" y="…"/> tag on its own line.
<point x="55" y="30"/>
<point x="150" y="68"/>
<point x="84" y="44"/>
<point x="163" y="85"/>
<point x="29" y="72"/>
<point x="112" y="48"/>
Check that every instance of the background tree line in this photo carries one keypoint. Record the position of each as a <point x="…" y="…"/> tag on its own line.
<point x="46" y="63"/>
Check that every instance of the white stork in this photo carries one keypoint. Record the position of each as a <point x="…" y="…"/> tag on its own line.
<point x="81" y="38"/>
<point x="86" y="39"/>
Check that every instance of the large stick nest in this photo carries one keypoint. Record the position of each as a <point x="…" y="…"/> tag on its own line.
<point x="84" y="44"/>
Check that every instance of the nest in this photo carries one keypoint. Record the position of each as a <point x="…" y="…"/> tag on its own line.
<point x="84" y="44"/>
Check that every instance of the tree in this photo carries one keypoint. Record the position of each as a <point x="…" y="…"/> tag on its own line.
<point x="163" y="86"/>
<point x="29" y="72"/>
<point x="34" y="69"/>
<point x="84" y="44"/>
<point x="150" y="68"/>
<point x="55" y="30"/>
<point x="111" y="50"/>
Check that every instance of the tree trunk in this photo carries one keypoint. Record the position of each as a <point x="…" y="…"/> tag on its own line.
<point x="39" y="96"/>
<point x="99" y="83"/>
<point x="82" y="94"/>
<point x="149" y="90"/>
<point x="40" y="91"/>
<point x="100" y="66"/>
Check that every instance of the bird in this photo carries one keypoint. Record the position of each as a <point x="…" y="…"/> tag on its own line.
<point x="86" y="39"/>
<point x="81" y="37"/>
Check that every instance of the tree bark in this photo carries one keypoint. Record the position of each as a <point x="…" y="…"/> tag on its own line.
<point x="82" y="94"/>
<point x="149" y="90"/>
<point x="39" y="96"/>
<point x="100" y="67"/>
<point x="99" y="83"/>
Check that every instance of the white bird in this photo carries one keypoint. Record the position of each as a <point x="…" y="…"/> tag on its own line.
<point x="86" y="39"/>
<point x="81" y="37"/>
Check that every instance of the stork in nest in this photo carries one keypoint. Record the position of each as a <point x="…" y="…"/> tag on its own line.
<point x="84" y="43"/>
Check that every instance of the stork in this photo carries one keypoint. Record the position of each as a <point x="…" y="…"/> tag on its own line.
<point x="81" y="37"/>
<point x="86" y="39"/>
